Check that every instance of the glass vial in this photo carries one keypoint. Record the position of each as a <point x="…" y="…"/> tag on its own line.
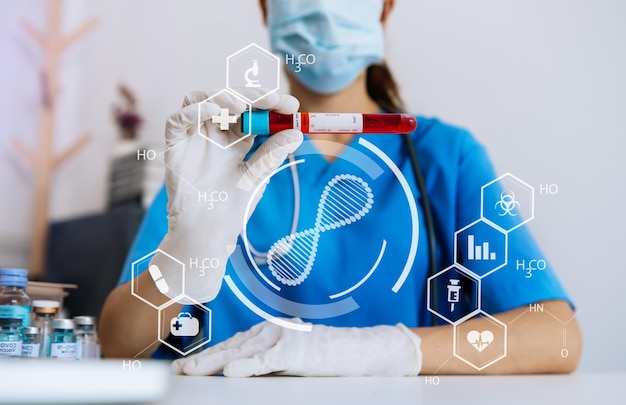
<point x="87" y="346"/>
<point x="63" y="340"/>
<point x="44" y="312"/>
<point x="10" y="337"/>
<point x="14" y="303"/>
<point x="31" y="342"/>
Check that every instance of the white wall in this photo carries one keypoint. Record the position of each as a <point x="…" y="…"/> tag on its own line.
<point x="540" y="83"/>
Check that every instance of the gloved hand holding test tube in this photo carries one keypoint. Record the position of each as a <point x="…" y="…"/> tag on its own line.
<point x="194" y="165"/>
<point x="271" y="122"/>
<point x="207" y="233"/>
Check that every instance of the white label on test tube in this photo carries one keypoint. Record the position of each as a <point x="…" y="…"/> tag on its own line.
<point x="332" y="122"/>
<point x="297" y="121"/>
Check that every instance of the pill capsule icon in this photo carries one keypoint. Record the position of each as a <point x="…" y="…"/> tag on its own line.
<point x="160" y="282"/>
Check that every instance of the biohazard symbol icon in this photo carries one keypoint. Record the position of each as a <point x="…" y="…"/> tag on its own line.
<point x="507" y="205"/>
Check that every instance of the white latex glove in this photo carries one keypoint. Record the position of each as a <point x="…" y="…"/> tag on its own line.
<point x="324" y="351"/>
<point x="203" y="232"/>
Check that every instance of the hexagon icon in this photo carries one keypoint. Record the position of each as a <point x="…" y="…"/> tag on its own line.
<point x="228" y="122"/>
<point x="186" y="331"/>
<point x="507" y="202"/>
<point x="453" y="295"/>
<point x="138" y="289"/>
<point x="252" y="73"/>
<point x="480" y="248"/>
<point x="480" y="346"/>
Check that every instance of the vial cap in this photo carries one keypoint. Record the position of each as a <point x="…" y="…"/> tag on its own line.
<point x="62" y="324"/>
<point x="256" y="122"/>
<point x="85" y="320"/>
<point x="45" y="307"/>
<point x="11" y="277"/>
<point x="30" y="330"/>
<point x="10" y="322"/>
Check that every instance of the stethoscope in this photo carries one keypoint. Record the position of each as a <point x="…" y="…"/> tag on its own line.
<point x="260" y="257"/>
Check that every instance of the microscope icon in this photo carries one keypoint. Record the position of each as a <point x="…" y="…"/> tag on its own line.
<point x="253" y="71"/>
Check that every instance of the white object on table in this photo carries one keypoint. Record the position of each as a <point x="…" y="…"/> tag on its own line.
<point x="50" y="381"/>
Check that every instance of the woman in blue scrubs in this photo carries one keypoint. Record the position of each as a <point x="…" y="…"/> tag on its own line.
<point x="359" y="297"/>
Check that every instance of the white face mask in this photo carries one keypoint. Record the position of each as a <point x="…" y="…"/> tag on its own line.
<point x="345" y="37"/>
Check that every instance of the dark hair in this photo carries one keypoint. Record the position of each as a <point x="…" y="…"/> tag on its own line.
<point x="382" y="88"/>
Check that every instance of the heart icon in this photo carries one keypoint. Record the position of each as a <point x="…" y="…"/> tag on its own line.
<point x="480" y="340"/>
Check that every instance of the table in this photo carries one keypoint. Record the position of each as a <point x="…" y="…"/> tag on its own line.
<point x="463" y="390"/>
<point x="150" y="382"/>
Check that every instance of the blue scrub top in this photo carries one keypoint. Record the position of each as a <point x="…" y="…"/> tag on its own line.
<point x="455" y="167"/>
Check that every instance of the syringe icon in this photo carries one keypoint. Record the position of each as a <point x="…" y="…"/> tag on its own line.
<point x="453" y="293"/>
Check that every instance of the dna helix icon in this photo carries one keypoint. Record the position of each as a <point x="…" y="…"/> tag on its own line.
<point x="346" y="199"/>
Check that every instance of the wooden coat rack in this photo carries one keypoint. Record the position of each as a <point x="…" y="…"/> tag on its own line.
<point x="44" y="160"/>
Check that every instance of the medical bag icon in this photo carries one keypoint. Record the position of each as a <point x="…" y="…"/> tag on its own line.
<point x="184" y="325"/>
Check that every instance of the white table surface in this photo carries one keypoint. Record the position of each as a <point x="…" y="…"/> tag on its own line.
<point x="46" y="381"/>
<point x="602" y="389"/>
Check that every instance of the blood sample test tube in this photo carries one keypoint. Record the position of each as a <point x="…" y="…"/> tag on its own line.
<point x="270" y="122"/>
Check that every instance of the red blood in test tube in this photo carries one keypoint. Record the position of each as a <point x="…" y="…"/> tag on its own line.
<point x="271" y="122"/>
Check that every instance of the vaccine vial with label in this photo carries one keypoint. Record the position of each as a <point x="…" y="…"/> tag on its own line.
<point x="87" y="345"/>
<point x="31" y="342"/>
<point x="63" y="340"/>
<point x="10" y="337"/>
<point x="14" y="303"/>
<point x="44" y="312"/>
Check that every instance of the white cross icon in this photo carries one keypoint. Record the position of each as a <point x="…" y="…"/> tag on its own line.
<point x="224" y="119"/>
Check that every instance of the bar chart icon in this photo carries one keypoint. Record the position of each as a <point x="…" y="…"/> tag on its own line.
<point x="480" y="251"/>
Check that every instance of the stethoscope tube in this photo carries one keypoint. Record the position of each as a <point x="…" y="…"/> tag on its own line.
<point x="428" y="216"/>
